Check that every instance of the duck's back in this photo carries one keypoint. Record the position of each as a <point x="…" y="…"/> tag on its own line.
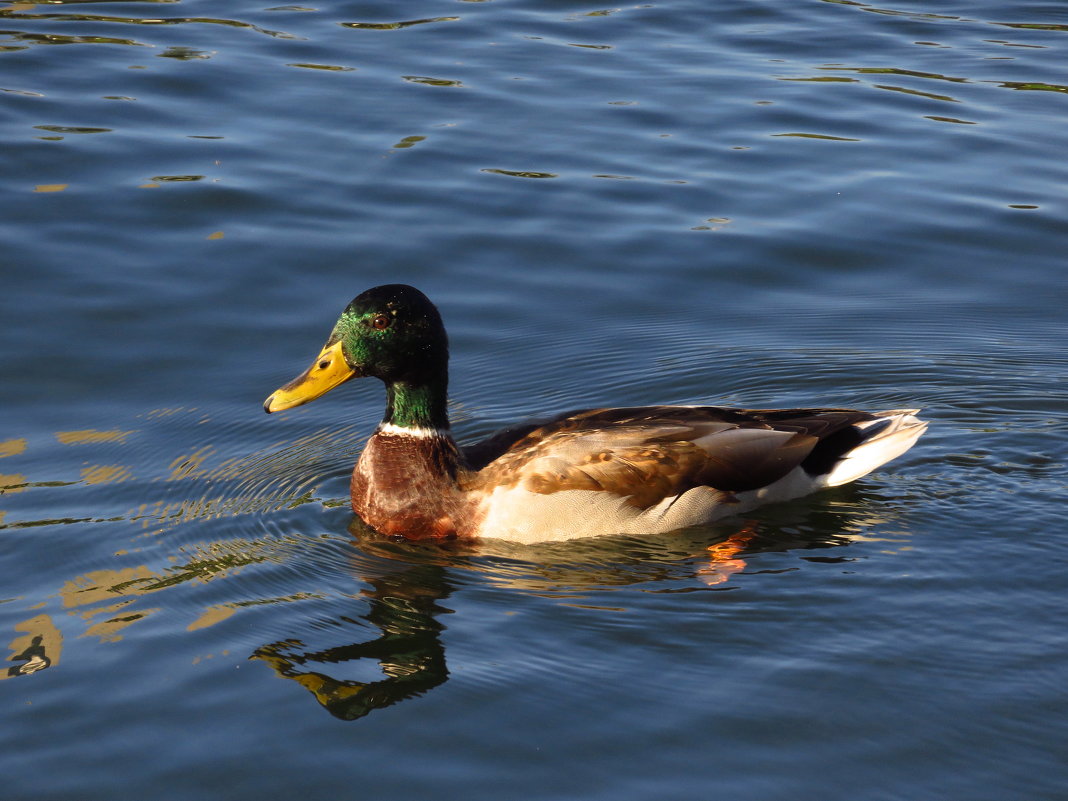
<point x="659" y="468"/>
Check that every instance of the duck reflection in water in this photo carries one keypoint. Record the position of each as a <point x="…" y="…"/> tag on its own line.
<point x="34" y="658"/>
<point x="404" y="607"/>
<point x="37" y="649"/>
<point x="407" y="583"/>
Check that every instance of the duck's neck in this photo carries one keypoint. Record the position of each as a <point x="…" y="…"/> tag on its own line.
<point x="405" y="482"/>
<point x="417" y="405"/>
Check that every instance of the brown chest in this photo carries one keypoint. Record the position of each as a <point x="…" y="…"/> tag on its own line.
<point x="406" y="486"/>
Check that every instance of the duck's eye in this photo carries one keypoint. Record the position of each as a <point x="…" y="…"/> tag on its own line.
<point x="380" y="321"/>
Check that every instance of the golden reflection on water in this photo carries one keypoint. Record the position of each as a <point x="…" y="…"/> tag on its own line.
<point x="190" y="465"/>
<point x="113" y="594"/>
<point x="11" y="483"/>
<point x="220" y="612"/>
<point x="103" y="587"/>
<point x="108" y="630"/>
<point x="37" y="649"/>
<point x="283" y="476"/>
<point x="105" y="474"/>
<point x="12" y="447"/>
<point x="211" y="616"/>
<point x="105" y="603"/>
<point x="91" y="436"/>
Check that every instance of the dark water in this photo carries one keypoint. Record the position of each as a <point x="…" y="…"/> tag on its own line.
<point x="755" y="203"/>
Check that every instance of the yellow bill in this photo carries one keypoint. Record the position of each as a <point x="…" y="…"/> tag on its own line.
<point x="327" y="371"/>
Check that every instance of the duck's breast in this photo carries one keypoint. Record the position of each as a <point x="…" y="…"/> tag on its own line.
<point x="405" y="485"/>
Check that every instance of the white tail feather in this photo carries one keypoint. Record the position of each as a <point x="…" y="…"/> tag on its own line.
<point x="885" y="443"/>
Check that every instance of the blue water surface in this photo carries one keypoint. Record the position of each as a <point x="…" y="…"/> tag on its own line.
<point x="755" y="202"/>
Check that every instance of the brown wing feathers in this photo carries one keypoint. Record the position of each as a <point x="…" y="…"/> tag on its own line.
<point x="650" y="453"/>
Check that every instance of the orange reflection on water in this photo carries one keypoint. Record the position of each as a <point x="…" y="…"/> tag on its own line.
<point x="211" y="616"/>
<point x="12" y="483"/>
<point x="105" y="474"/>
<point x="91" y="435"/>
<point x="107" y="587"/>
<point x="722" y="563"/>
<point x="12" y="447"/>
<point x="190" y="465"/>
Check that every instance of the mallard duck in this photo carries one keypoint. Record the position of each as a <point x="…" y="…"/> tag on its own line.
<point x="641" y="470"/>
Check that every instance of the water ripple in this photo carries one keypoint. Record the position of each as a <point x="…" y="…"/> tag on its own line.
<point x="396" y="26"/>
<point x="99" y="18"/>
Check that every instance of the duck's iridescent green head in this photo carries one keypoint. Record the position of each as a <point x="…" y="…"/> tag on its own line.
<point x="392" y="332"/>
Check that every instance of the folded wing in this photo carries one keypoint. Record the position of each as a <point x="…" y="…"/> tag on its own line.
<point x="648" y="454"/>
